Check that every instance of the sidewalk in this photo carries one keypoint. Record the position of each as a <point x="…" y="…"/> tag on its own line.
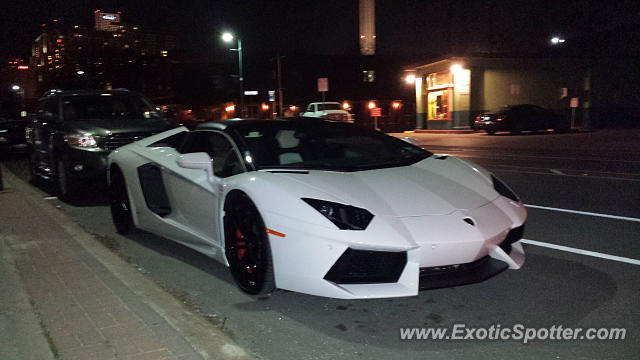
<point x="63" y="295"/>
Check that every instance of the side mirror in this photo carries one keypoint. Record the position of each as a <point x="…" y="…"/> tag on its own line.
<point x="198" y="160"/>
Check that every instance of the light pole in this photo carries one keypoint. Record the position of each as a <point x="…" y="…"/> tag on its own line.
<point x="228" y="37"/>
<point x="20" y="91"/>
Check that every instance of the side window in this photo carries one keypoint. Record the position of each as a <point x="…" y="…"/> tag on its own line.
<point x="310" y="108"/>
<point x="48" y="109"/>
<point x="173" y="141"/>
<point x="195" y="142"/>
<point x="225" y="160"/>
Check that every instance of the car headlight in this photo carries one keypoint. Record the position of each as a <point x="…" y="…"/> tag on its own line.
<point x="345" y="217"/>
<point x="503" y="189"/>
<point x="81" y="141"/>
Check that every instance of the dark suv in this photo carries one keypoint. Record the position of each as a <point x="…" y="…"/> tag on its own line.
<point x="72" y="133"/>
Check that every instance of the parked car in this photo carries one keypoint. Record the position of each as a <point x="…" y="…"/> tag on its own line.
<point x="72" y="133"/>
<point x="518" y="118"/>
<point x="328" y="110"/>
<point x="12" y="136"/>
<point x="319" y="207"/>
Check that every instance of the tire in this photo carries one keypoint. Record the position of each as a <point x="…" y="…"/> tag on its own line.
<point x="564" y="128"/>
<point x="67" y="187"/>
<point x="247" y="246"/>
<point x="119" y="203"/>
<point x="491" y="132"/>
<point x="34" y="178"/>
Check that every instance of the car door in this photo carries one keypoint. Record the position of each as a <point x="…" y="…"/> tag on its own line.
<point x="44" y="130"/>
<point x="543" y="118"/>
<point x="196" y="201"/>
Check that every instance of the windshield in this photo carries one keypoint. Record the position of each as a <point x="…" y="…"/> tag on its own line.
<point x="329" y="106"/>
<point x="325" y="146"/>
<point x="107" y="106"/>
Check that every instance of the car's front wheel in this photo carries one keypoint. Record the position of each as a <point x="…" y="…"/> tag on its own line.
<point x="67" y="187"/>
<point x="119" y="203"/>
<point x="247" y="245"/>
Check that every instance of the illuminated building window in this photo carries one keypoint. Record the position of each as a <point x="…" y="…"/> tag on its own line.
<point x="368" y="76"/>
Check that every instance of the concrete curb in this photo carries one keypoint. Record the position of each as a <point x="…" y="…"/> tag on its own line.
<point x="207" y="340"/>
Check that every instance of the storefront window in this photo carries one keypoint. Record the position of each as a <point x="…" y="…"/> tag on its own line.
<point x="439" y="80"/>
<point x="438" y="102"/>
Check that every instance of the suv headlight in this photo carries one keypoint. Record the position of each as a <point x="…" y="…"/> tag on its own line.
<point x="81" y="141"/>
<point x="345" y="217"/>
<point x="503" y="189"/>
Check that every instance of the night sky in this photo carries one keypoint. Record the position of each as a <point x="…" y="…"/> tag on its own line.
<point x="331" y="26"/>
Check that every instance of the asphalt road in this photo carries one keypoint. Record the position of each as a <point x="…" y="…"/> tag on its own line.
<point x="597" y="173"/>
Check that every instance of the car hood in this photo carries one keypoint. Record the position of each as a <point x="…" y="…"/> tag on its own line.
<point x="434" y="186"/>
<point x="109" y="127"/>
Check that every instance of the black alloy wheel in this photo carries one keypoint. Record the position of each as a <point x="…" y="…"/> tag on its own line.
<point x="247" y="246"/>
<point x="119" y="203"/>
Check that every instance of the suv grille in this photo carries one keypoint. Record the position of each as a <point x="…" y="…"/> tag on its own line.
<point x="115" y="141"/>
<point x="338" y="117"/>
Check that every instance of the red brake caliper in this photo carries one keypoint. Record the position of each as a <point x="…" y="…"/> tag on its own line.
<point x="240" y="245"/>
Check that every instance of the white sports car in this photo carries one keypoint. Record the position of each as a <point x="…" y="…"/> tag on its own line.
<point x="319" y="207"/>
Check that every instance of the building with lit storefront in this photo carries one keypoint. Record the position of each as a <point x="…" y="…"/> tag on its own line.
<point x="452" y="91"/>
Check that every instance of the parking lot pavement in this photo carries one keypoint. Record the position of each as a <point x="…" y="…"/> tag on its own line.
<point x="604" y="143"/>
<point x="66" y="296"/>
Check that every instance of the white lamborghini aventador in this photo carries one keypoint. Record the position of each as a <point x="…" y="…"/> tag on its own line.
<point x="323" y="208"/>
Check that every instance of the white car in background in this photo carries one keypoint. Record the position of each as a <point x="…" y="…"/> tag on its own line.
<point x="319" y="207"/>
<point x="328" y="110"/>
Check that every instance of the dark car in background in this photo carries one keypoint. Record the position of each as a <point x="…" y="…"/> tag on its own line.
<point x="12" y="136"/>
<point x="518" y="118"/>
<point x="72" y="133"/>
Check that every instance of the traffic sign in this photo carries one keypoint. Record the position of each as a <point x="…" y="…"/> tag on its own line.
<point x="376" y="112"/>
<point x="272" y="95"/>
<point x="323" y="84"/>
<point x="574" y="102"/>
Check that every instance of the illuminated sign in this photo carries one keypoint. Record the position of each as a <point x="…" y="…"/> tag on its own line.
<point x="109" y="17"/>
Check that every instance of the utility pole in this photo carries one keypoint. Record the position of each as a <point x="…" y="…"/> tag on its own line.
<point x="280" y="106"/>
<point x="242" y="110"/>
<point x="280" y="96"/>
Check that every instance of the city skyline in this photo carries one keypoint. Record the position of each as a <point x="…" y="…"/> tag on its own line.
<point x="331" y="27"/>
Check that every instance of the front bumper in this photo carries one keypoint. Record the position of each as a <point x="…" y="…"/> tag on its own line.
<point x="84" y="164"/>
<point x="436" y="251"/>
<point x="488" y="125"/>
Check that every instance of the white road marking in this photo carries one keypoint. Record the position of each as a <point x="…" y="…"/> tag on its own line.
<point x="583" y="213"/>
<point x="582" y="252"/>
<point x="583" y="176"/>
<point x="557" y="172"/>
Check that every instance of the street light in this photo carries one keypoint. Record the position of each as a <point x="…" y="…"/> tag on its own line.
<point x="556" y="40"/>
<point x="20" y="91"/>
<point x="228" y="37"/>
